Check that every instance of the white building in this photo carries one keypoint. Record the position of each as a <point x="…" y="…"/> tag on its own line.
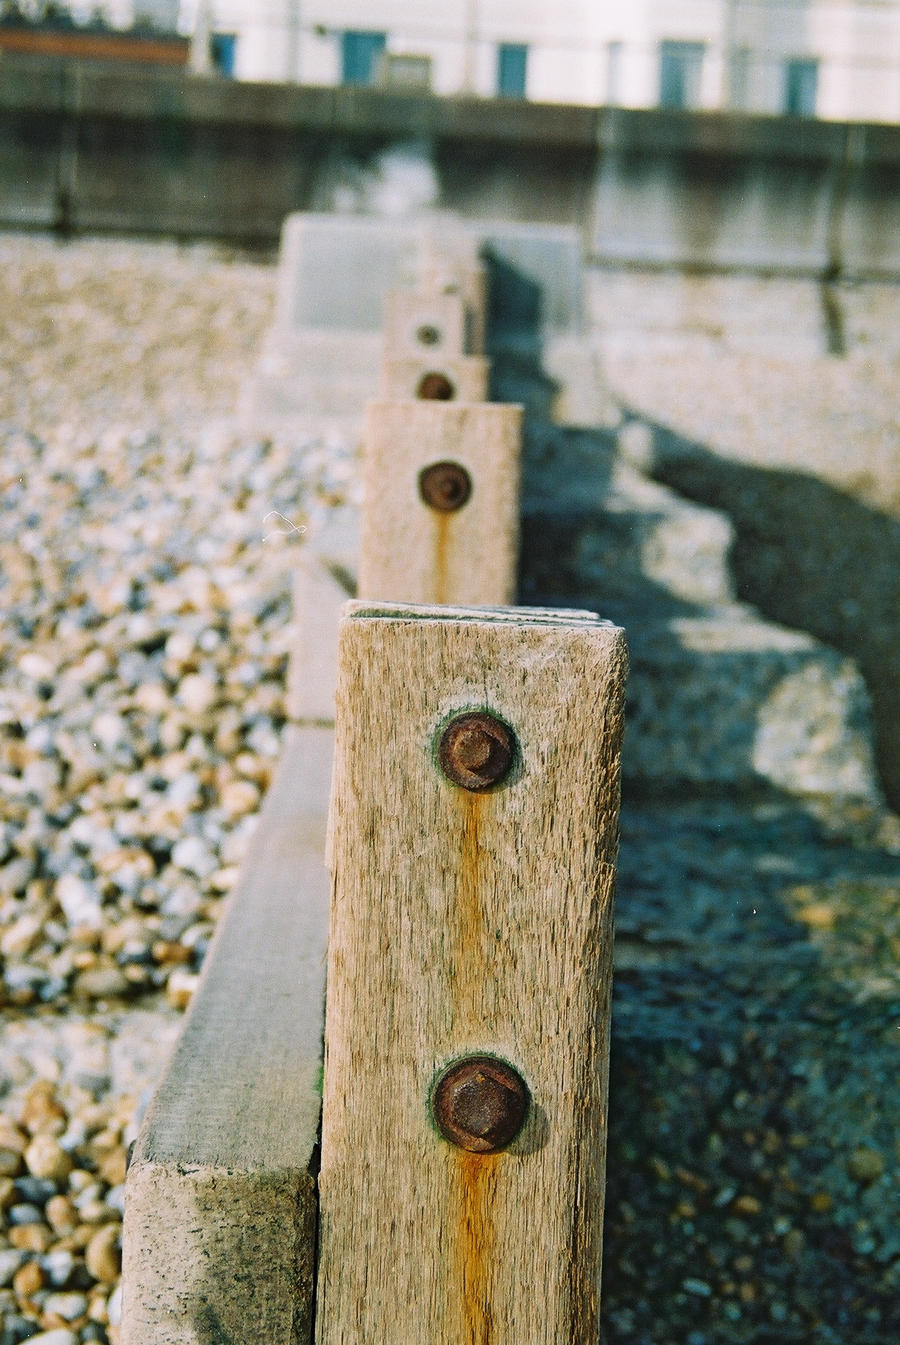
<point x="828" y="58"/>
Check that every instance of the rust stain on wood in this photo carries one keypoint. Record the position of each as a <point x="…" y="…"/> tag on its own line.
<point x="475" y="1174"/>
<point x="441" y="546"/>
<point x="476" y="1180"/>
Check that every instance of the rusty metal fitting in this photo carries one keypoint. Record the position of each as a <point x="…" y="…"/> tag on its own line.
<point x="428" y="335"/>
<point x="435" y="387"/>
<point x="480" y="1104"/>
<point x="476" y="750"/>
<point x="445" y="486"/>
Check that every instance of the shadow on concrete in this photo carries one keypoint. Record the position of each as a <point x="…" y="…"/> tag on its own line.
<point x="703" y="716"/>
<point x="808" y="556"/>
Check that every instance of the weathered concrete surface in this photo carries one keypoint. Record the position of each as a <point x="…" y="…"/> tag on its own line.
<point x="336" y="271"/>
<point x="801" y="455"/>
<point x="88" y="148"/>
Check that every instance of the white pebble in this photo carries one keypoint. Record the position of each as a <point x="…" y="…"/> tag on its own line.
<point x="115" y="1306"/>
<point x="197" y="693"/>
<point x="80" y="902"/>
<point x="191" y="855"/>
<point x="68" y="1306"/>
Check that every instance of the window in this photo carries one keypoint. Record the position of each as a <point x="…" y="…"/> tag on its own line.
<point x="614" y="73"/>
<point x="512" y="63"/>
<point x="361" y="56"/>
<point x="405" y="71"/>
<point x="680" y="66"/>
<point x="222" y="47"/>
<point x="801" y="80"/>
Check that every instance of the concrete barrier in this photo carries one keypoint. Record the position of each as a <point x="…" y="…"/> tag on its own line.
<point x="90" y="148"/>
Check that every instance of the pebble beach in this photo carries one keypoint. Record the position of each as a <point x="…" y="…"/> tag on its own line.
<point x="146" y="549"/>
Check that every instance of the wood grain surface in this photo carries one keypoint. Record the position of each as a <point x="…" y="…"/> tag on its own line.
<point x="468" y="374"/>
<point x="467" y="923"/>
<point x="412" y="553"/>
<point x="424" y="322"/>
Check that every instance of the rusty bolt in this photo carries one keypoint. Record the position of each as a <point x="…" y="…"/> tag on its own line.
<point x="445" y="486"/>
<point x="435" y="387"/>
<point x="427" y="335"/>
<point x="475" y="750"/>
<point x="480" y="1104"/>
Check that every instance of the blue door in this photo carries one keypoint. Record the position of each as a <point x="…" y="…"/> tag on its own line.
<point x="800" y="86"/>
<point x="680" y="68"/>
<point x="222" y="48"/>
<point x="512" y="64"/>
<point x="360" y="53"/>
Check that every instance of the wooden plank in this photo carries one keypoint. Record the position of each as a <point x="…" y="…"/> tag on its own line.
<point x="463" y="379"/>
<point x="412" y="552"/>
<point x="219" y="1235"/>
<point x="423" y="322"/>
<point x="468" y="923"/>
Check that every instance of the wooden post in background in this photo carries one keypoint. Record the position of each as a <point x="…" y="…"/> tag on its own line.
<point x="461" y="378"/>
<point x="469" y="922"/>
<point x="449" y="263"/>
<point x="463" y="546"/>
<point x="420" y="322"/>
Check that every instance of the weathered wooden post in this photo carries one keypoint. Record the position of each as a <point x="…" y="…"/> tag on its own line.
<point x="441" y="517"/>
<point x="423" y="322"/>
<point x="460" y="378"/>
<point x="518" y="808"/>
<point x="434" y="333"/>
<point x="474" y="826"/>
<point x="449" y="262"/>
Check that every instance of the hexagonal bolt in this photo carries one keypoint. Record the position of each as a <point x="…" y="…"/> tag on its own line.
<point x="480" y="1104"/>
<point x="428" y="335"/>
<point x="435" y="387"/>
<point x="445" y="486"/>
<point x="476" y="750"/>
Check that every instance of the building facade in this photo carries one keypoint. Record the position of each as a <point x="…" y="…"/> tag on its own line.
<point x="837" y="59"/>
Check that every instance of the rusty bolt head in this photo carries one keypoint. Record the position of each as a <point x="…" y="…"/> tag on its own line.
<point x="435" y="387"/>
<point x="445" y="486"/>
<point x="480" y="1104"/>
<point x="427" y="335"/>
<point x="476" y="750"/>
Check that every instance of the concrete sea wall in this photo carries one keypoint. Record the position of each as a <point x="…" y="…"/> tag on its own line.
<point x="88" y="148"/>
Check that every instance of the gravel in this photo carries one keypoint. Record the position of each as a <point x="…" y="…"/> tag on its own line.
<point x="145" y="585"/>
<point x="147" y="621"/>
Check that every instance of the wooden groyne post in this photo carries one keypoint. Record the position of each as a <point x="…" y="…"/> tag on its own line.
<point x="474" y="829"/>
